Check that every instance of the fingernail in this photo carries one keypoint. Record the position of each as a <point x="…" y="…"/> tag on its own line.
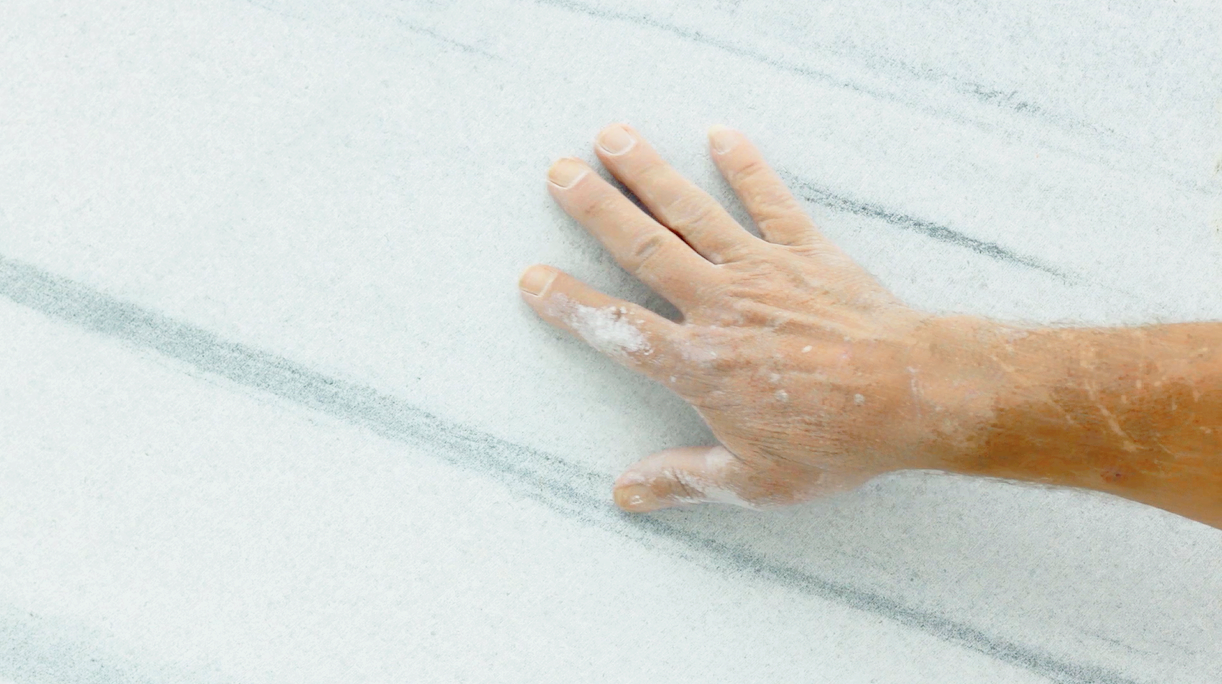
<point x="566" y="172"/>
<point x="615" y="140"/>
<point x="723" y="138"/>
<point x="535" y="281"/>
<point x="635" y="498"/>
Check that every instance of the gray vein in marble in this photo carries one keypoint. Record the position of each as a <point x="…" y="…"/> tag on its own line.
<point x="411" y="27"/>
<point x="274" y="9"/>
<point x="698" y="36"/>
<point x="421" y="30"/>
<point x="1007" y="101"/>
<point x="825" y="197"/>
<point x="560" y="485"/>
<point x="35" y="649"/>
<point x="988" y="95"/>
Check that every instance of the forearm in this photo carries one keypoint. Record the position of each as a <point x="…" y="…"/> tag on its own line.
<point x="1135" y="412"/>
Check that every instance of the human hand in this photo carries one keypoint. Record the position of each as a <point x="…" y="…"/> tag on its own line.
<point x="811" y="374"/>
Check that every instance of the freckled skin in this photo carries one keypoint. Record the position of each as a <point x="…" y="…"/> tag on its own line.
<point x="815" y="378"/>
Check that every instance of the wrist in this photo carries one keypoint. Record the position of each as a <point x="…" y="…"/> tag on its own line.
<point x="1058" y="406"/>
<point x="978" y="374"/>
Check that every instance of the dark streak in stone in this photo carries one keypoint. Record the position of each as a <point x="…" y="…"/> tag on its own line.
<point x="981" y="93"/>
<point x="39" y="649"/>
<point x="698" y="37"/>
<point x="406" y="25"/>
<point x="1007" y="100"/>
<point x="464" y="47"/>
<point x="941" y="233"/>
<point x="278" y="10"/>
<point x="564" y="487"/>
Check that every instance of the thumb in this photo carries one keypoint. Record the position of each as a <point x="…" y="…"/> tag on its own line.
<point x="686" y="475"/>
<point x="693" y="475"/>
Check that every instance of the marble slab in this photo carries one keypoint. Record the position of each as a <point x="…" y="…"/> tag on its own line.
<point x="271" y="409"/>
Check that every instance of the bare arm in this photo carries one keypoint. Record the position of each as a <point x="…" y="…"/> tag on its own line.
<point x="1135" y="412"/>
<point x="815" y="378"/>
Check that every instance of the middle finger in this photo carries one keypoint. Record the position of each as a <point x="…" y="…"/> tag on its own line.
<point x="674" y="200"/>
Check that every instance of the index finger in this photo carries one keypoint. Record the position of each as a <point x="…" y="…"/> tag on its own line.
<point x="631" y="334"/>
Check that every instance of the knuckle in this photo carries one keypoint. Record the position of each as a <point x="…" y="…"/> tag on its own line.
<point x="652" y="174"/>
<point x="598" y="205"/>
<point x="732" y="361"/>
<point x="773" y="196"/>
<point x="683" y="488"/>
<point x="749" y="171"/>
<point x="759" y="186"/>
<point x="783" y="223"/>
<point x="644" y="250"/>
<point x="690" y="210"/>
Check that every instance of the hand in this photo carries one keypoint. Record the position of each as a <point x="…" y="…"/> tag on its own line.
<point x="811" y="374"/>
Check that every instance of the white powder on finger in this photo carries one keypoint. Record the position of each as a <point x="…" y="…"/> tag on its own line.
<point x="605" y="328"/>
<point x="713" y="488"/>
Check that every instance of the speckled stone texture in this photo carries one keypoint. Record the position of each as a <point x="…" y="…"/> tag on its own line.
<point x="271" y="409"/>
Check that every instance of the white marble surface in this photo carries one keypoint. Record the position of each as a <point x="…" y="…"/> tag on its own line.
<point x="271" y="411"/>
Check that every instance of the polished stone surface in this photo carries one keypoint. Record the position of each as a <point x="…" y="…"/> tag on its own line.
<point x="272" y="411"/>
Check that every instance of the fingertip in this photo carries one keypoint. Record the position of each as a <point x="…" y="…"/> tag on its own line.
<point x="615" y="126"/>
<point x="636" y="498"/>
<point x="615" y="140"/>
<point x="723" y="138"/>
<point x="536" y="280"/>
<point x="566" y="171"/>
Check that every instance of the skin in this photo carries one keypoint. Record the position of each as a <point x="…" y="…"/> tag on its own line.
<point x="815" y="378"/>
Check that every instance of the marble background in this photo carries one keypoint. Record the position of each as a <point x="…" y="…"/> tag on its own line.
<point x="272" y="411"/>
